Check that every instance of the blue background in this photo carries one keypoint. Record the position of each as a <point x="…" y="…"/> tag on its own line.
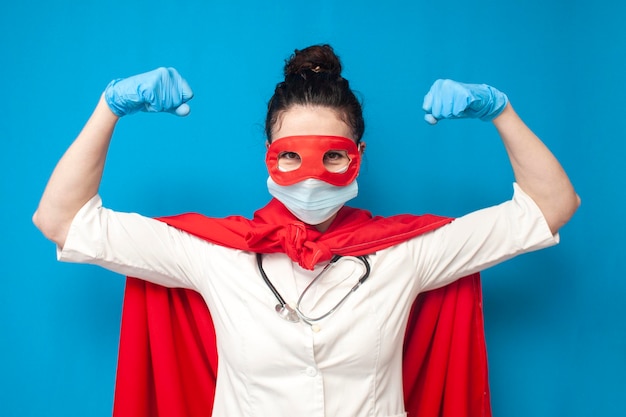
<point x="554" y="319"/>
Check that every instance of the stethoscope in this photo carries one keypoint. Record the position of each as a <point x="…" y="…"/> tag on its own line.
<point x="293" y="313"/>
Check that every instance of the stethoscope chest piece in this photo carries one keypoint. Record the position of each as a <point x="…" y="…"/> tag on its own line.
<point x="286" y="312"/>
<point x="293" y="313"/>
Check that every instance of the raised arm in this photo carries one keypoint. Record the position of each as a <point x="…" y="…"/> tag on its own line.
<point x="536" y="169"/>
<point x="78" y="174"/>
<point x="76" y="178"/>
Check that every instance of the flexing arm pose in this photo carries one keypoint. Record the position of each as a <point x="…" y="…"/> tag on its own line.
<point x="77" y="176"/>
<point x="536" y="170"/>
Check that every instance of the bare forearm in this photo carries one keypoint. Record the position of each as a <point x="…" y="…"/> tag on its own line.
<point x="536" y="170"/>
<point x="77" y="176"/>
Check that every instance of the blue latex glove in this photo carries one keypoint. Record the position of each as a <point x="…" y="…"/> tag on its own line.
<point x="160" y="90"/>
<point x="449" y="99"/>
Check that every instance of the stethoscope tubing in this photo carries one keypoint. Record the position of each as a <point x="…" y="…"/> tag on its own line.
<point x="293" y="313"/>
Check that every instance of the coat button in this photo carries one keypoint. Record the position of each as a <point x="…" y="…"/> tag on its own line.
<point x="310" y="371"/>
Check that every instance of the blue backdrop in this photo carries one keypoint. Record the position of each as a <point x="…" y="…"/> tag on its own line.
<point x="554" y="319"/>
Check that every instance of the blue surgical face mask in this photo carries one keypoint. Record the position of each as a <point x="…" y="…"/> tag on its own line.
<point x="313" y="201"/>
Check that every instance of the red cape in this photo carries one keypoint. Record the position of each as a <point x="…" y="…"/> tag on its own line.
<point x="167" y="362"/>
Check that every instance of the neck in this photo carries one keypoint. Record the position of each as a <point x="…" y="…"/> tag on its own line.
<point x="322" y="227"/>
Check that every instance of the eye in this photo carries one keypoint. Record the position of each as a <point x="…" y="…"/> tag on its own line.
<point x="334" y="155"/>
<point x="289" y="156"/>
<point x="288" y="161"/>
<point x="336" y="161"/>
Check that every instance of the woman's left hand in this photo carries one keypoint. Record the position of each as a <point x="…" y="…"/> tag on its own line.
<point x="448" y="99"/>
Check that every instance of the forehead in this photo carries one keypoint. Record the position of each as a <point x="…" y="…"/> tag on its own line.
<point x="311" y="120"/>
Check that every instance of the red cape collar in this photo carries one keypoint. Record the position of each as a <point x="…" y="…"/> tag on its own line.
<point x="274" y="229"/>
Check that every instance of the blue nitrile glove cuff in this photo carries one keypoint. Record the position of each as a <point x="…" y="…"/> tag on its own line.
<point x="488" y="104"/>
<point x="118" y="106"/>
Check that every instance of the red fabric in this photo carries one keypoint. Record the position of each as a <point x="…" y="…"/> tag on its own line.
<point x="167" y="363"/>
<point x="311" y="150"/>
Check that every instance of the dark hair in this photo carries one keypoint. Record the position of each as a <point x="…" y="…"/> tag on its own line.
<point x="313" y="77"/>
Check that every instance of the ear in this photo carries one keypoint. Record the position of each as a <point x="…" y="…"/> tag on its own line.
<point x="267" y="144"/>
<point x="362" y="147"/>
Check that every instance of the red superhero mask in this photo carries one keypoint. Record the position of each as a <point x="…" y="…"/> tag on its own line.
<point x="333" y="159"/>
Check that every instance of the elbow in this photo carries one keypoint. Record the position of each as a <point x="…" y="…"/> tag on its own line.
<point x="572" y="206"/>
<point x="576" y="204"/>
<point x="52" y="230"/>
<point x="38" y="222"/>
<point x="566" y="209"/>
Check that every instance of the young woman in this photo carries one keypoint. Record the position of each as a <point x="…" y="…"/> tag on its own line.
<point x="335" y="347"/>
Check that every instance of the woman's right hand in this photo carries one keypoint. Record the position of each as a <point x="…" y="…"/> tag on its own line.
<point x="160" y="90"/>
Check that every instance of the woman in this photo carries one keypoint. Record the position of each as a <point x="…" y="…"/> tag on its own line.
<point x="323" y="353"/>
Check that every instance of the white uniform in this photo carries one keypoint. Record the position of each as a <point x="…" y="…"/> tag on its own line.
<point x="352" y="366"/>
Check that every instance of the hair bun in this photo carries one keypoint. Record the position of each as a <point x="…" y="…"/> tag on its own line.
<point x="313" y="78"/>
<point x="316" y="59"/>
